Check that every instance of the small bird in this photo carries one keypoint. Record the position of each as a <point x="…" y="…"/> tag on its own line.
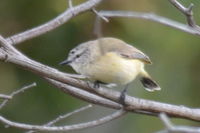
<point x="111" y="60"/>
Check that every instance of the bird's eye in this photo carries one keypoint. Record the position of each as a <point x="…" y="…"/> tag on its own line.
<point x="77" y="56"/>
<point x="72" y="52"/>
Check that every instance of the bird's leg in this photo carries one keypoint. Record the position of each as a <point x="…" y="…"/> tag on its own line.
<point x="123" y="95"/>
<point x="96" y="84"/>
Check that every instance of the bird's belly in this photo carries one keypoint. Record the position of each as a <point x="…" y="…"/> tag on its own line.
<point x="114" y="69"/>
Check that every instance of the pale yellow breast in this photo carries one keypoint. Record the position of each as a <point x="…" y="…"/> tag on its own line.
<point x="112" y="68"/>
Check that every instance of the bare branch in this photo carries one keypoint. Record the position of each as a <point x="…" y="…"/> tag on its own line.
<point x="94" y="123"/>
<point x="7" y="46"/>
<point x="165" y="120"/>
<point x="53" y="24"/>
<point x="70" y="4"/>
<point x="84" y="95"/>
<point x="99" y="15"/>
<point x="187" y="12"/>
<point x="154" y="18"/>
<point x="176" y="129"/>
<point x="92" y="98"/>
<point x="16" y="93"/>
<point x="98" y="27"/>
<point x="2" y="96"/>
<point x="132" y="102"/>
<point x="68" y="114"/>
<point x="61" y="117"/>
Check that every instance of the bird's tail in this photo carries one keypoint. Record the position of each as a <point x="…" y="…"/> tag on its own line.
<point x="148" y="83"/>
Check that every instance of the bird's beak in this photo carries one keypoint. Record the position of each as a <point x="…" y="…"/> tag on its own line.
<point x="65" y="62"/>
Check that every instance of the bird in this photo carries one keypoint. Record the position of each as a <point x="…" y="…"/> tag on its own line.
<point x="109" y="60"/>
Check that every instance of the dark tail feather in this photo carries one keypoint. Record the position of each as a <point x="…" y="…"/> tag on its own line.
<point x="149" y="84"/>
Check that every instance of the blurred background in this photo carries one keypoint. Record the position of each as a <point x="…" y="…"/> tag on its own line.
<point x="175" y="56"/>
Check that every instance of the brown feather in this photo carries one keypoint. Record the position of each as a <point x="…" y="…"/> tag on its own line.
<point x="123" y="49"/>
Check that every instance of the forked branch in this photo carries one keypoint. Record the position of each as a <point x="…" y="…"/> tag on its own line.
<point x="100" y="121"/>
<point x="70" y="84"/>
<point x="52" y="24"/>
<point x="9" y="97"/>
<point x="187" y="11"/>
<point x="171" y="128"/>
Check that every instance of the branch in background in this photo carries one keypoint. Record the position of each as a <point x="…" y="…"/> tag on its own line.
<point x="187" y="12"/>
<point x="152" y="17"/>
<point x="53" y="24"/>
<point x="51" y="123"/>
<point x="73" y="11"/>
<point x="98" y="27"/>
<point x="171" y="128"/>
<point x="100" y="121"/>
<point x="16" y="93"/>
<point x="99" y="15"/>
<point x="62" y="117"/>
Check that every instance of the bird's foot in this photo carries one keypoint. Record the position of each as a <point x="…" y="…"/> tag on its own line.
<point x="123" y="96"/>
<point x="95" y="85"/>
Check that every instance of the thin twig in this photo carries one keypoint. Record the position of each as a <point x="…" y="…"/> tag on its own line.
<point x="100" y="16"/>
<point x="16" y="93"/>
<point x="165" y="120"/>
<point x="94" y="123"/>
<point x="2" y="96"/>
<point x="52" y="24"/>
<point x="70" y="4"/>
<point x="98" y="30"/>
<point x="68" y="114"/>
<point x="61" y="117"/>
<point x="71" y="7"/>
<point x="170" y="128"/>
<point x="187" y="12"/>
<point x="98" y="27"/>
<point x="154" y="18"/>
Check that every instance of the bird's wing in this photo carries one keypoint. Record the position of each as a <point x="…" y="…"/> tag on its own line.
<point x="123" y="49"/>
<point x="131" y="52"/>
